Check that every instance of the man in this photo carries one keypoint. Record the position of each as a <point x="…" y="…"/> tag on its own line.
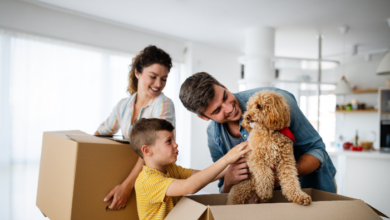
<point x="210" y="100"/>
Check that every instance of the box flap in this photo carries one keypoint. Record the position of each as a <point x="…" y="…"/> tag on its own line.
<point x="63" y="134"/>
<point x="335" y="210"/>
<point x="186" y="209"/>
<point x="86" y="138"/>
<point x="318" y="195"/>
<point x="212" y="199"/>
<point x="378" y="212"/>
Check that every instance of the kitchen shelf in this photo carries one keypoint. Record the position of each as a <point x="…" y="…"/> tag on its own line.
<point x="360" y="91"/>
<point x="358" y="111"/>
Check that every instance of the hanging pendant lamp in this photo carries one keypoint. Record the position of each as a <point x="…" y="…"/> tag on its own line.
<point x="343" y="87"/>
<point x="384" y="65"/>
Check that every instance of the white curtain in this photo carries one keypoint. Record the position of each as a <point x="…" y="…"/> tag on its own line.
<point x="49" y="85"/>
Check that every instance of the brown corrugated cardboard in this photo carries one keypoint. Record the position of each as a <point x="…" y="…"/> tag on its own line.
<point x="324" y="206"/>
<point x="77" y="171"/>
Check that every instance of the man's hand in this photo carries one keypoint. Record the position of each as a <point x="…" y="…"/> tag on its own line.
<point x="276" y="184"/>
<point x="121" y="195"/>
<point x="236" y="172"/>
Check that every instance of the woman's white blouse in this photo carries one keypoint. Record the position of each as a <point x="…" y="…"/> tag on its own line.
<point x="159" y="107"/>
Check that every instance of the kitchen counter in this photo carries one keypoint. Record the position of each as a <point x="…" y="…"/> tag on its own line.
<point x="375" y="154"/>
<point x="363" y="175"/>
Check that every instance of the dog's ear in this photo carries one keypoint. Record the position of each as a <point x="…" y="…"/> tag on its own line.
<point x="245" y="123"/>
<point x="278" y="115"/>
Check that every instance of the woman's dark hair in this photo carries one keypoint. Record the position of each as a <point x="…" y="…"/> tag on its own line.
<point x="148" y="56"/>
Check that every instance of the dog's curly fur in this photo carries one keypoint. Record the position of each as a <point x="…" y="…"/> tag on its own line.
<point x="267" y="113"/>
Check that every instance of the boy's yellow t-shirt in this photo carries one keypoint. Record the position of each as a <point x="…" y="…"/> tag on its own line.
<point x="150" y="188"/>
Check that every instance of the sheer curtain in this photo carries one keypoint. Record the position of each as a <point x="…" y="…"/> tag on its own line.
<point x="49" y="85"/>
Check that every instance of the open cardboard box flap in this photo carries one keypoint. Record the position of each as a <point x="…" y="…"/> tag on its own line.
<point x="187" y="209"/>
<point x="86" y="138"/>
<point x="324" y="206"/>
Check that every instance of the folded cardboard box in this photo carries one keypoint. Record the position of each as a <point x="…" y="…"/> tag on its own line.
<point x="77" y="171"/>
<point x="324" y="206"/>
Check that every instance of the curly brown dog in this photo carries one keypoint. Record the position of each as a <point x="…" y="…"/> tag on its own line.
<point x="267" y="113"/>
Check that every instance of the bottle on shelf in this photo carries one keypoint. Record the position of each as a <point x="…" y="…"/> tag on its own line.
<point x="356" y="138"/>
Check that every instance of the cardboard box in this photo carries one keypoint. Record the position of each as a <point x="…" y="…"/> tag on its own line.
<point x="324" y="206"/>
<point x="77" y="171"/>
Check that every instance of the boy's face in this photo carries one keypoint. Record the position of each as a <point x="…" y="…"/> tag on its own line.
<point x="165" y="148"/>
<point x="224" y="107"/>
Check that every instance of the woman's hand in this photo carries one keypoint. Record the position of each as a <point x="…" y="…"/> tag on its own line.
<point x="121" y="194"/>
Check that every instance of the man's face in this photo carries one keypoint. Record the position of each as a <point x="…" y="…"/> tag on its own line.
<point x="224" y="107"/>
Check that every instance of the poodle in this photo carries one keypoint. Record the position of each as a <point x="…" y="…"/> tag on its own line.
<point x="267" y="114"/>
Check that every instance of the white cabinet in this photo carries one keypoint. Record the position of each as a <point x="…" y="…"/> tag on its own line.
<point x="365" y="176"/>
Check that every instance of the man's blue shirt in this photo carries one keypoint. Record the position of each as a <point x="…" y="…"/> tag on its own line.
<point x="308" y="141"/>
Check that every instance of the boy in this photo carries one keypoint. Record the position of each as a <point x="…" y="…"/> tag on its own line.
<point x="161" y="182"/>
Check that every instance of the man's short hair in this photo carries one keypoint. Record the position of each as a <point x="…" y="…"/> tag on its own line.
<point x="197" y="92"/>
<point x="144" y="132"/>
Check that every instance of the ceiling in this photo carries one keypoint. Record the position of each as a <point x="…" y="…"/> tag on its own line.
<point x="222" y="23"/>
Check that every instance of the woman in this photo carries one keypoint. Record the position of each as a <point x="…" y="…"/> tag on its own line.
<point x="147" y="78"/>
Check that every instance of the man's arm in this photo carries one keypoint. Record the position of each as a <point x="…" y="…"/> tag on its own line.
<point x="307" y="164"/>
<point x="316" y="156"/>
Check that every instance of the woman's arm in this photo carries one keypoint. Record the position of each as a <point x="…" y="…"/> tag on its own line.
<point x="122" y="192"/>
<point x="111" y="125"/>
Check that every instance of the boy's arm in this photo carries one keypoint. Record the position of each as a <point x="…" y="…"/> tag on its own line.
<point x="200" y="179"/>
<point x="220" y="175"/>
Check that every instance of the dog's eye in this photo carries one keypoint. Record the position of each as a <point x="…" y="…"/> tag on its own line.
<point x="259" y="106"/>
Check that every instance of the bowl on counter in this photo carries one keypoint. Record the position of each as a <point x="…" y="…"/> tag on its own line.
<point x="367" y="145"/>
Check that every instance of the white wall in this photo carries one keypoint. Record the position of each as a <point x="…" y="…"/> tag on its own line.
<point x="362" y="74"/>
<point x="31" y="18"/>
<point x="223" y="65"/>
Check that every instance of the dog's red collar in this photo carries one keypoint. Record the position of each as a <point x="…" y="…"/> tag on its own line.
<point x="286" y="132"/>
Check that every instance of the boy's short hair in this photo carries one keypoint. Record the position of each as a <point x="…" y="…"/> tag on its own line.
<point x="144" y="132"/>
<point x="197" y="92"/>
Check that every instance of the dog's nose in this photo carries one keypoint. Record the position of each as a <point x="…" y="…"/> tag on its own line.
<point x="248" y="118"/>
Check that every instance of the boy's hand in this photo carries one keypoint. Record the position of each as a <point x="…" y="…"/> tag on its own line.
<point x="237" y="152"/>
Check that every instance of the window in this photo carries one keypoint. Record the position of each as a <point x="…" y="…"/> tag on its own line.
<point x="307" y="97"/>
<point x="48" y="85"/>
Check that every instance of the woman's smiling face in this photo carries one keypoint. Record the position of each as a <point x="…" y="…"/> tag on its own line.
<point x="152" y="80"/>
